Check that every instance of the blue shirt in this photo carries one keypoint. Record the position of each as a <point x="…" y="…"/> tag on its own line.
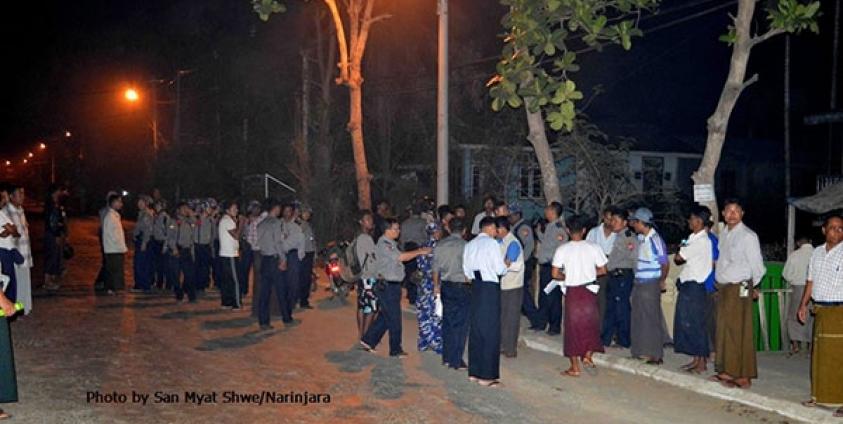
<point x="652" y="254"/>
<point x="715" y="254"/>
<point x="512" y="251"/>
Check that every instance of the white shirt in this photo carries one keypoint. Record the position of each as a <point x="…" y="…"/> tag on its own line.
<point x="6" y="242"/>
<point x="740" y="256"/>
<point x="514" y="277"/>
<point x="113" y="237"/>
<point x="598" y="237"/>
<point x="826" y="273"/>
<point x="697" y="255"/>
<point x="483" y="254"/>
<point x="475" y="227"/>
<point x="796" y="268"/>
<point x="579" y="261"/>
<point x="229" y="246"/>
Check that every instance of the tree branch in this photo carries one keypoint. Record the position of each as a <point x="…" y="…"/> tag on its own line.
<point x="750" y="81"/>
<point x="766" y="36"/>
<point x="378" y="18"/>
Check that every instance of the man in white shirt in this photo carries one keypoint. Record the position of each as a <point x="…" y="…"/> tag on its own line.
<point x="689" y="328"/>
<point x="22" y="271"/>
<point x="229" y="234"/>
<point x="796" y="274"/>
<point x="825" y="287"/>
<point x="113" y="244"/>
<point x="483" y="264"/>
<point x="488" y="211"/>
<point x="577" y="264"/>
<point x="603" y="236"/>
<point x="739" y="269"/>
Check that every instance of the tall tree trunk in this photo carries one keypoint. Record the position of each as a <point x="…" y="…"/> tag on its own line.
<point x="544" y="156"/>
<point x="355" y="127"/>
<point x="735" y="84"/>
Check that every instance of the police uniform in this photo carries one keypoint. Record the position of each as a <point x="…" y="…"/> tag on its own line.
<point x="523" y="231"/>
<point x="203" y="239"/>
<point x="413" y="235"/>
<point x="294" y="245"/>
<point x="170" y="255"/>
<point x="621" y="267"/>
<point x="185" y="229"/>
<point x="142" y="264"/>
<point x="271" y="244"/>
<point x="390" y="272"/>
<point x="159" y="239"/>
<point x="456" y="298"/>
<point x="549" y="313"/>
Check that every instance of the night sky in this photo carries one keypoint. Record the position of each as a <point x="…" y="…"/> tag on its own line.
<point x="67" y="62"/>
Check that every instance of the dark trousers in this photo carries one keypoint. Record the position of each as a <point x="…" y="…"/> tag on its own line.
<point x="202" y="266"/>
<point x="290" y="281"/>
<point x="159" y="262"/>
<point x="412" y="291"/>
<point x="114" y="278"/>
<point x="528" y="306"/>
<point x="617" y="320"/>
<point x="270" y="281"/>
<point x="306" y="278"/>
<point x="247" y="258"/>
<point x="142" y="267"/>
<point x="217" y="264"/>
<point x="549" y="313"/>
<point x="456" y="304"/>
<point x="389" y="318"/>
<point x="484" y="337"/>
<point x="187" y="268"/>
<point x="171" y="270"/>
<point x="230" y="282"/>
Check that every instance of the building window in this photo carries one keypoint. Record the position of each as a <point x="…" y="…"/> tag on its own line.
<point x="530" y="182"/>
<point x="475" y="180"/>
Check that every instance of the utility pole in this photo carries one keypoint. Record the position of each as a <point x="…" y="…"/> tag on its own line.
<point x="442" y="107"/>
<point x="305" y="101"/>
<point x="834" y="60"/>
<point x="177" y="128"/>
<point x="787" y="183"/>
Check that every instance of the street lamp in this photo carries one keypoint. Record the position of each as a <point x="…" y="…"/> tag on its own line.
<point x="30" y="155"/>
<point x="25" y="161"/>
<point x="131" y="95"/>
<point x="67" y="134"/>
<point x="42" y="146"/>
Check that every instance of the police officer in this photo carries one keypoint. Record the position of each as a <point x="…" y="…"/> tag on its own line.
<point x="621" y="268"/>
<point x="170" y="252"/>
<point x="157" y="243"/>
<point x="273" y="262"/>
<point x="294" y="246"/>
<point x="185" y="234"/>
<point x="413" y="235"/>
<point x="523" y="231"/>
<point x="549" y="314"/>
<point x="390" y="269"/>
<point x="306" y="274"/>
<point x="454" y="289"/>
<point x="142" y="265"/>
<point x="202" y="239"/>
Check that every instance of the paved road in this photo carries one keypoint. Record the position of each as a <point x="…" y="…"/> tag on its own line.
<point x="76" y="344"/>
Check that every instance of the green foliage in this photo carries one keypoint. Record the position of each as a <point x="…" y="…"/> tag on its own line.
<point x="265" y="8"/>
<point x="539" y="54"/>
<point x="791" y="16"/>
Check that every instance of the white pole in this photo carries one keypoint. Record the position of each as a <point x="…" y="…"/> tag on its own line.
<point x="442" y="108"/>
<point x="791" y="228"/>
<point x="266" y="186"/>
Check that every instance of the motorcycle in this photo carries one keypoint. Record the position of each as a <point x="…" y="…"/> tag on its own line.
<point x="338" y="287"/>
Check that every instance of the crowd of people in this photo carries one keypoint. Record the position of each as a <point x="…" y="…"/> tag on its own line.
<point x="469" y="280"/>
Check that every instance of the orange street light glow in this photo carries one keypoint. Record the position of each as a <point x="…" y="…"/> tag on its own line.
<point x="8" y="163"/>
<point x="131" y="95"/>
<point x="67" y="134"/>
<point x="25" y="161"/>
<point x="42" y="146"/>
<point x="29" y="155"/>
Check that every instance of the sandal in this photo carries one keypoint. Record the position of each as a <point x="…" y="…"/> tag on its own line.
<point x="717" y="378"/>
<point x="812" y="403"/>
<point x="473" y="379"/>
<point x="570" y="373"/>
<point x="838" y="413"/>
<point x="4" y="415"/>
<point x="494" y="384"/>
<point x="366" y="347"/>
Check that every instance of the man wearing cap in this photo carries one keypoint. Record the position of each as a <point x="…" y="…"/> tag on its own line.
<point x="739" y="269"/>
<point x="647" y="324"/>
<point x="413" y="236"/>
<point x="270" y="241"/>
<point x="185" y="229"/>
<point x="825" y="287"/>
<point x="203" y="238"/>
<point x="306" y="274"/>
<point x="523" y="231"/>
<point x="142" y="266"/>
